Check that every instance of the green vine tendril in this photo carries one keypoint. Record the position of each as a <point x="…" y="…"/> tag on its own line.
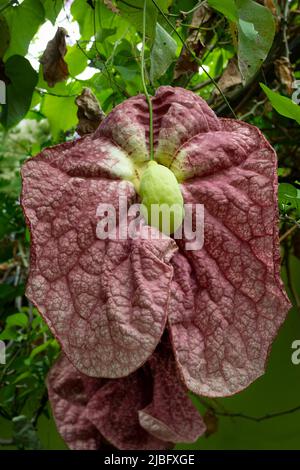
<point x="148" y="98"/>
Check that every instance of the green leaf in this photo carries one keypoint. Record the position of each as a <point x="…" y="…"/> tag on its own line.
<point x="7" y="292"/>
<point x="288" y="197"/>
<point x="4" y="36"/>
<point x="163" y="53"/>
<point x="104" y="33"/>
<point x="8" y="334"/>
<point x="23" y="21"/>
<point x="256" y="30"/>
<point x="226" y="7"/>
<point x="132" y="11"/>
<point x="19" y="92"/>
<point x="21" y="377"/>
<point x="52" y="9"/>
<point x="17" y="319"/>
<point x="61" y="114"/>
<point x="42" y="348"/>
<point x="283" y="105"/>
<point x="84" y="14"/>
<point x="76" y="60"/>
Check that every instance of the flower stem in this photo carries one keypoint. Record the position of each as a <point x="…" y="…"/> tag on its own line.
<point x="148" y="98"/>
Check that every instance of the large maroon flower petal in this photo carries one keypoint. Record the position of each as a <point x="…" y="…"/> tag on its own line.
<point x="136" y="412"/>
<point x="178" y="115"/>
<point x="105" y="300"/>
<point x="227" y="299"/>
<point x="69" y="392"/>
<point x="170" y="416"/>
<point x="114" y="412"/>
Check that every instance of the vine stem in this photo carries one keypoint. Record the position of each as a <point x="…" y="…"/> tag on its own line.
<point x="195" y="57"/>
<point x="148" y="98"/>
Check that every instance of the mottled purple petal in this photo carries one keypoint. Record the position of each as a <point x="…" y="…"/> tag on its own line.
<point x="170" y="416"/>
<point x="227" y="299"/>
<point x="105" y="300"/>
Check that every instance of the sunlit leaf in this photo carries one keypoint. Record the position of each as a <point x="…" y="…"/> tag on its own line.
<point x="163" y="52"/>
<point x="52" y="9"/>
<point x="17" y="319"/>
<point x="23" y="21"/>
<point x="76" y="60"/>
<point x="61" y="113"/>
<point x="283" y="105"/>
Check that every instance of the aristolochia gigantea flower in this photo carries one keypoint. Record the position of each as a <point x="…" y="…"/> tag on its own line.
<point x="108" y="302"/>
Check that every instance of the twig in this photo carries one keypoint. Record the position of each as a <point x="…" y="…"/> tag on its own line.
<point x="44" y="92"/>
<point x="257" y="419"/>
<point x="6" y="442"/>
<point x="39" y="411"/>
<point x="253" y="109"/>
<point x="284" y="29"/>
<point x="287" y="233"/>
<point x="201" y="85"/>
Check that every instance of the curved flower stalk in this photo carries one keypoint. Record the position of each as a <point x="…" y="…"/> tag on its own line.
<point x="109" y="301"/>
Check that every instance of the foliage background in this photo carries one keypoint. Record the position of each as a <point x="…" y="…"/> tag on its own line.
<point x="221" y="38"/>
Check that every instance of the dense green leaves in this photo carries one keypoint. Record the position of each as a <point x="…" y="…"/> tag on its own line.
<point x="283" y="105"/>
<point x="86" y="17"/>
<point x="24" y="21"/>
<point x="133" y="12"/>
<point x="23" y="80"/>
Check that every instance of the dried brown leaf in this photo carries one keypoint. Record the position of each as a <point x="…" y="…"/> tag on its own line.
<point x="271" y="6"/>
<point x="284" y="73"/>
<point x="231" y="76"/>
<point x="111" y="6"/>
<point x="201" y="16"/>
<point x="89" y="112"/>
<point x="195" y="41"/>
<point x="55" y="69"/>
<point x="211" y="421"/>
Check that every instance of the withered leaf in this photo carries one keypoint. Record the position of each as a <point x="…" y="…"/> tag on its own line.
<point x="284" y="73"/>
<point x="89" y="112"/>
<point x="55" y="69"/>
<point x="200" y="16"/>
<point x="211" y="421"/>
<point x="186" y="63"/>
<point x="231" y="76"/>
<point x="111" y="6"/>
